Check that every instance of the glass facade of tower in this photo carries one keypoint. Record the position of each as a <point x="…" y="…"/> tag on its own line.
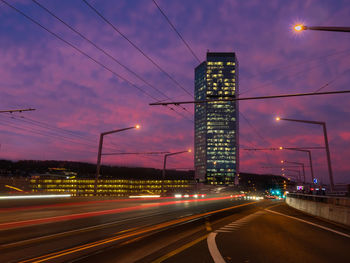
<point x="216" y="123"/>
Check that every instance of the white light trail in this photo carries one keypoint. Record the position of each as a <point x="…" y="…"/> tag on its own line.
<point x="33" y="196"/>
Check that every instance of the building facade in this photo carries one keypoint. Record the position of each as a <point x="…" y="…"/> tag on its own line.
<point x="108" y="187"/>
<point x="216" y="123"/>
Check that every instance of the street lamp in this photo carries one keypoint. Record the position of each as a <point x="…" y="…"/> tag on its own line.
<point x="323" y="124"/>
<point x="302" y="150"/>
<point x="98" y="165"/>
<point x="302" y="164"/>
<point x="164" y="164"/>
<point x="301" y="27"/>
<point x="293" y="170"/>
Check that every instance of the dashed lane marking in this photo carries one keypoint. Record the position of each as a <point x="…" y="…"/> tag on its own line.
<point x="239" y="223"/>
<point x="229" y="228"/>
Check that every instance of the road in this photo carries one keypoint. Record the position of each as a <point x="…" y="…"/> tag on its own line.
<point x="211" y="229"/>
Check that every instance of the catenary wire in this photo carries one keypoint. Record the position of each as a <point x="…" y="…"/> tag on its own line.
<point x="80" y="51"/>
<point x="176" y="31"/>
<point x="100" y="49"/>
<point x="136" y="47"/>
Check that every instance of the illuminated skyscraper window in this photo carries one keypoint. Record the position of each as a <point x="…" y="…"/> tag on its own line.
<point x="216" y="123"/>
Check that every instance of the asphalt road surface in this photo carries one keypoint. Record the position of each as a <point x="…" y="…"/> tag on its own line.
<point x="211" y="229"/>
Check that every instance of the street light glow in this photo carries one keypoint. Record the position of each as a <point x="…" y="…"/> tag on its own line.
<point x="278" y="118"/>
<point x="189" y="150"/>
<point x="281" y="148"/>
<point x="137" y="126"/>
<point x="299" y="27"/>
<point x="282" y="161"/>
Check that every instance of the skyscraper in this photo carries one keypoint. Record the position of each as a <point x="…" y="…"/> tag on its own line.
<point x="216" y="123"/>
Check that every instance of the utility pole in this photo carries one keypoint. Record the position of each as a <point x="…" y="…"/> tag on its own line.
<point x="164" y="165"/>
<point x="98" y="164"/>
<point x="310" y="159"/>
<point x="323" y="124"/>
<point x="302" y="165"/>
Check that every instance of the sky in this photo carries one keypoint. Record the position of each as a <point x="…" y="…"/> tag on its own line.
<point x="77" y="98"/>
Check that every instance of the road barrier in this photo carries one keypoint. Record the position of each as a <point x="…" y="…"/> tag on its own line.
<point x="336" y="209"/>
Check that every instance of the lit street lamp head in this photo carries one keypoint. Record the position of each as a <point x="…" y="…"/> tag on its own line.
<point x="299" y="27"/>
<point x="281" y="148"/>
<point x="189" y="150"/>
<point x="277" y="118"/>
<point x="282" y="161"/>
<point x="137" y="126"/>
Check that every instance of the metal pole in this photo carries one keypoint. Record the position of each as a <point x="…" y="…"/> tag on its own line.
<point x="163" y="173"/>
<point x="302" y="164"/>
<point x="98" y="166"/>
<point x="303" y="172"/>
<point x="292" y="170"/>
<point x="164" y="166"/>
<point x="328" y="28"/>
<point x="299" y="177"/>
<point x="330" y="172"/>
<point x="311" y="167"/>
<point x="328" y="156"/>
<point x="310" y="159"/>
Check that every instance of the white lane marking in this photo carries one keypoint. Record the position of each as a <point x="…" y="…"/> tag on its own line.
<point x="310" y="223"/>
<point x="221" y="231"/>
<point x="213" y="249"/>
<point x="241" y="222"/>
<point x="236" y="226"/>
<point x="227" y="228"/>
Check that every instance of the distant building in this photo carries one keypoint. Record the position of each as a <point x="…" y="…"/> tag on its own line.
<point x="216" y="123"/>
<point x="108" y="187"/>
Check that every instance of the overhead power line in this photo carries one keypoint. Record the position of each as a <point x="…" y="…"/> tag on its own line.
<point x="332" y="81"/>
<point x="100" y="49"/>
<point x="252" y="98"/>
<point x="176" y="31"/>
<point x="290" y="65"/>
<point x="253" y="128"/>
<point x="15" y="110"/>
<point x="49" y="131"/>
<point x="278" y="149"/>
<point x="136" y="47"/>
<point x="46" y="125"/>
<point x="53" y="129"/>
<point x="83" y="53"/>
<point x="78" y="49"/>
<point x="42" y="133"/>
<point x="134" y="153"/>
<point x="105" y="52"/>
<point x="289" y="75"/>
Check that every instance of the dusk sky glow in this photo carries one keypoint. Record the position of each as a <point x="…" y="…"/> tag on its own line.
<point x="82" y="99"/>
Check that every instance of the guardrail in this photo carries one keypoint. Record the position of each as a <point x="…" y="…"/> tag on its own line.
<point x="334" y="200"/>
<point x="332" y="208"/>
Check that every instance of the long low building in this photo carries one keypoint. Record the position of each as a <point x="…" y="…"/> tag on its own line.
<point x="109" y="187"/>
